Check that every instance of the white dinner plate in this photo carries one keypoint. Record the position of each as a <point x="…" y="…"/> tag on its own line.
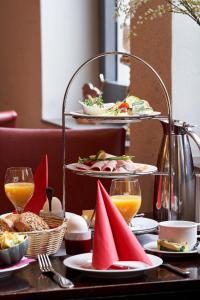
<point x="106" y="117"/>
<point x="140" y="225"/>
<point x="83" y="262"/>
<point x="152" y="247"/>
<point x="8" y="271"/>
<point x="108" y="174"/>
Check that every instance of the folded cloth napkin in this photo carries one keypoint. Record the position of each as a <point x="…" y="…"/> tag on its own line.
<point x="41" y="182"/>
<point x="113" y="239"/>
<point x="22" y="262"/>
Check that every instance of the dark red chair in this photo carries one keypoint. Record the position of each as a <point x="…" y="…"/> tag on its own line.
<point x="8" y="118"/>
<point x="26" y="147"/>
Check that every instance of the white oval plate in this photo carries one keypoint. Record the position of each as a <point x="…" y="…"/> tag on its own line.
<point x="105" y="174"/>
<point x="152" y="247"/>
<point x="83" y="262"/>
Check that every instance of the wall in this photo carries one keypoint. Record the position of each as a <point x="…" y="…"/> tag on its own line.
<point x="153" y="44"/>
<point x="20" y="72"/>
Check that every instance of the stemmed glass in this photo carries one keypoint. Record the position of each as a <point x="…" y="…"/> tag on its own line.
<point x="19" y="186"/>
<point x="126" y="195"/>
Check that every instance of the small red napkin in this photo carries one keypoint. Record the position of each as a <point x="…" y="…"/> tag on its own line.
<point x="41" y="182"/>
<point x="113" y="239"/>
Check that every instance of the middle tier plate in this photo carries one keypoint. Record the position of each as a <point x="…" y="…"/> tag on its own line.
<point x="143" y="169"/>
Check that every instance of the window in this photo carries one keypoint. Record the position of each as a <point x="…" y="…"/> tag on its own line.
<point x="69" y="36"/>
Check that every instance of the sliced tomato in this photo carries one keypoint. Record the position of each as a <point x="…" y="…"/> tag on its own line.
<point x="124" y="105"/>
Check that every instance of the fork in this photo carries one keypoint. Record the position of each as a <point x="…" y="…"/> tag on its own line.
<point x="46" y="267"/>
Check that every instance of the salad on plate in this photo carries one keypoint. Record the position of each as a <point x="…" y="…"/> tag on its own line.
<point x="130" y="106"/>
<point x="95" y="106"/>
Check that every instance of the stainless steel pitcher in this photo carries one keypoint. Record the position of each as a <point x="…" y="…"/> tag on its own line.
<point x="182" y="203"/>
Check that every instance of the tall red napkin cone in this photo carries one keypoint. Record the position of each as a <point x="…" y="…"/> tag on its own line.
<point x="41" y="182"/>
<point x="113" y="239"/>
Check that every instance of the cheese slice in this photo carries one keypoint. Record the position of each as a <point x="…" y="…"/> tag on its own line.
<point x="166" y="245"/>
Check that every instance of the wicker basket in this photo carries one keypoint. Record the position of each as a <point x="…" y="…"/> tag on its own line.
<point x="46" y="241"/>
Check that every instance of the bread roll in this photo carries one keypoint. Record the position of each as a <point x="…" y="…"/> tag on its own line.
<point x="6" y="225"/>
<point x="12" y="218"/>
<point x="29" y="221"/>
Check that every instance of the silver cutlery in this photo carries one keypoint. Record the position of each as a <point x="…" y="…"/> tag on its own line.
<point x="180" y="271"/>
<point x="46" y="267"/>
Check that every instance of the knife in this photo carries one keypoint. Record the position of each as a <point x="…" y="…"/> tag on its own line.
<point x="180" y="271"/>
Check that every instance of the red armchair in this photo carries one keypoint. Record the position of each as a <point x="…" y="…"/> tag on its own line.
<point x="26" y="147"/>
<point x="8" y="118"/>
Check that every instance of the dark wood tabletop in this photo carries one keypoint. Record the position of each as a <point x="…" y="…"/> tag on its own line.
<point x="29" y="283"/>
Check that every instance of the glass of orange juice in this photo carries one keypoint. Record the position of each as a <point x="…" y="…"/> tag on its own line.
<point x="126" y="195"/>
<point x="19" y="186"/>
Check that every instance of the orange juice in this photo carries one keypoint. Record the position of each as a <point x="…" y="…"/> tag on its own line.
<point x="128" y="205"/>
<point x="19" y="193"/>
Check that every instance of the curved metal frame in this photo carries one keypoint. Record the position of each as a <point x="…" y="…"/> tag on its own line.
<point x="167" y="99"/>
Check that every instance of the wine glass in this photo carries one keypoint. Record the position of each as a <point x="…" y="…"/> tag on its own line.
<point x="126" y="195"/>
<point x="19" y="186"/>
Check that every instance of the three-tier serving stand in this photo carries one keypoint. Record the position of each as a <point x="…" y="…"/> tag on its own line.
<point x="119" y="119"/>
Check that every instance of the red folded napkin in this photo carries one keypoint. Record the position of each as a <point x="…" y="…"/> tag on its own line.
<point x="113" y="239"/>
<point x="41" y="182"/>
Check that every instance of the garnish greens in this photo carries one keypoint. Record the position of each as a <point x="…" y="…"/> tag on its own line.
<point x="96" y="100"/>
<point x="101" y="155"/>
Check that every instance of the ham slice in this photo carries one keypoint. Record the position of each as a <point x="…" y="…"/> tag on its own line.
<point x="121" y="166"/>
<point x="110" y="166"/>
<point x="82" y="167"/>
<point x="141" y="167"/>
<point x="120" y="170"/>
<point x="98" y="165"/>
<point x="128" y="165"/>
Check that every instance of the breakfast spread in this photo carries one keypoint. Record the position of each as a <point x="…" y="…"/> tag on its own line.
<point x="165" y="245"/>
<point x="130" y="106"/>
<point x="24" y="222"/>
<point x="103" y="161"/>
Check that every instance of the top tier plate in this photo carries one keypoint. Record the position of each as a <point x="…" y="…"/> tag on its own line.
<point x="113" y="119"/>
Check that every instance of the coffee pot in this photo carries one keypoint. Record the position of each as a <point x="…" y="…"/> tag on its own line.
<point x="181" y="205"/>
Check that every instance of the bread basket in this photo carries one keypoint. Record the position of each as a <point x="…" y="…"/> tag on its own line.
<point x="46" y="241"/>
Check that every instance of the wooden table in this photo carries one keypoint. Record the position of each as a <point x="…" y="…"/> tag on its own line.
<point x="29" y="283"/>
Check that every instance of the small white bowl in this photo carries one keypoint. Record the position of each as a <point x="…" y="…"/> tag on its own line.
<point x="95" y="109"/>
<point x="179" y="231"/>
